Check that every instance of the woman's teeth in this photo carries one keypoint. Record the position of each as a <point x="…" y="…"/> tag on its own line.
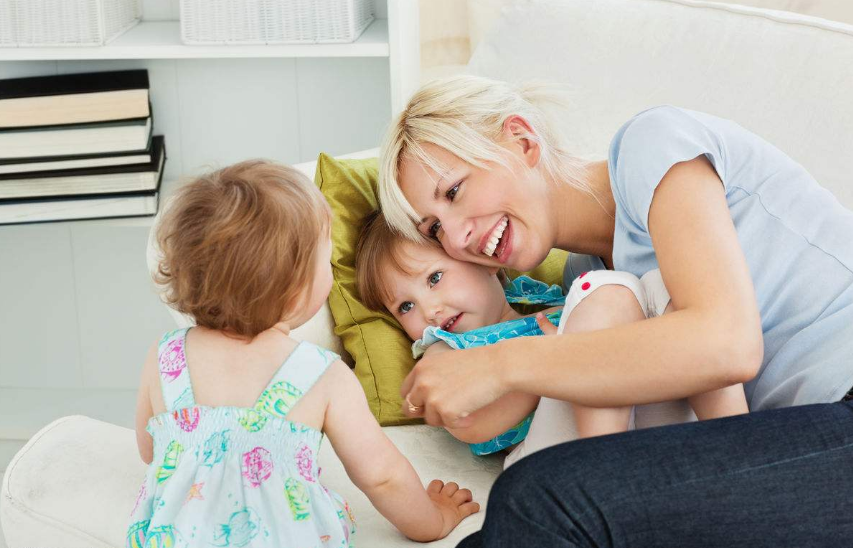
<point x="489" y="250"/>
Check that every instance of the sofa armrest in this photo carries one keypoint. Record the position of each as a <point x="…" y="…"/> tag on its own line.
<point x="75" y="482"/>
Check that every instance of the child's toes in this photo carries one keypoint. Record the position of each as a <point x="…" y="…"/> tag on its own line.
<point x="450" y="488"/>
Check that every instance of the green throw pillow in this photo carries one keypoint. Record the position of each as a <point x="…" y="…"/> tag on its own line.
<point x="378" y="345"/>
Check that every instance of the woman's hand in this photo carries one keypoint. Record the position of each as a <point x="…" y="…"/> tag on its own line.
<point x="445" y="388"/>
<point x="454" y="504"/>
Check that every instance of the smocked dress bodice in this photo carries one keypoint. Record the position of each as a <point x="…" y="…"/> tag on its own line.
<point x="235" y="476"/>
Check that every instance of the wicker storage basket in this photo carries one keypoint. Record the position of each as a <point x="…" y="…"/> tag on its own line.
<point x="273" y="21"/>
<point x="65" y="22"/>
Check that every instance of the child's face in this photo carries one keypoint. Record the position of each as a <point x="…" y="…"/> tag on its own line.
<point x="454" y="295"/>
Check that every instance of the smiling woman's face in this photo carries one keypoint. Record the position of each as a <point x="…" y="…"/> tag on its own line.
<point x="495" y="216"/>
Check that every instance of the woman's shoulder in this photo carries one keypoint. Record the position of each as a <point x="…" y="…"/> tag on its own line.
<point x="650" y="143"/>
<point x="648" y="130"/>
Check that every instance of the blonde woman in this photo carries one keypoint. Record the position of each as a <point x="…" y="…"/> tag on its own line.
<point x="757" y="259"/>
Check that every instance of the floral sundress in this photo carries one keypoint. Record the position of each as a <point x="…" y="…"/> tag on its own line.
<point x="231" y="476"/>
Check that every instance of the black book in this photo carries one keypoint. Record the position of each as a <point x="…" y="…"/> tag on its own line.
<point x="60" y="163"/>
<point x="91" y="181"/>
<point x="75" y="140"/>
<point x="74" y="98"/>
<point x="72" y="209"/>
<point x="88" y="206"/>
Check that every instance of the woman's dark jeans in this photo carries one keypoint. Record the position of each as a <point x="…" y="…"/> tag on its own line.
<point x="781" y="478"/>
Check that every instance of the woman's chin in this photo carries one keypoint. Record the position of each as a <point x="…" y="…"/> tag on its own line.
<point x="525" y="262"/>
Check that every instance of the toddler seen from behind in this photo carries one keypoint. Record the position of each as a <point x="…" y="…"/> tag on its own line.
<point x="231" y="413"/>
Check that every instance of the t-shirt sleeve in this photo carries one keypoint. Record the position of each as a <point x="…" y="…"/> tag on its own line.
<point x="644" y="150"/>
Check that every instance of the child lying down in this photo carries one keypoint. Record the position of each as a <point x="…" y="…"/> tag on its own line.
<point x="445" y="304"/>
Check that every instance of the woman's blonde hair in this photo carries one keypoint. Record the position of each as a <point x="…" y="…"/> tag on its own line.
<point x="239" y="246"/>
<point x="465" y="115"/>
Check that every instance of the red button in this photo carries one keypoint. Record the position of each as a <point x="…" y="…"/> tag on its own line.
<point x="582" y="275"/>
<point x="585" y="286"/>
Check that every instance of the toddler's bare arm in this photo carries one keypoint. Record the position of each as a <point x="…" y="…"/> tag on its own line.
<point x="378" y="468"/>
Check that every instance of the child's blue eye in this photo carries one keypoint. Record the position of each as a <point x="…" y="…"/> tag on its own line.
<point x="435" y="277"/>
<point x="433" y="229"/>
<point x="406" y="306"/>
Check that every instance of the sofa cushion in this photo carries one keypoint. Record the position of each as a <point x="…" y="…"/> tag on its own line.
<point x="379" y="348"/>
<point x="781" y="75"/>
<point x="75" y="483"/>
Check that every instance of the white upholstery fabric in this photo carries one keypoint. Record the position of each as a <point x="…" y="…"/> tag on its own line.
<point x="784" y="76"/>
<point x="74" y="484"/>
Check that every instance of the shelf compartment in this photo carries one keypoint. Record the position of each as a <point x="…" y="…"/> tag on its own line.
<point x="162" y="40"/>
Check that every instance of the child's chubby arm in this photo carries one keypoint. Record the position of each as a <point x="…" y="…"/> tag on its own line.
<point x="378" y="468"/>
<point x="144" y="410"/>
<point x="497" y="417"/>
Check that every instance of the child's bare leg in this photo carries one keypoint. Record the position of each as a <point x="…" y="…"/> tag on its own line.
<point x="607" y="306"/>
<point x="719" y="403"/>
<point x="715" y="404"/>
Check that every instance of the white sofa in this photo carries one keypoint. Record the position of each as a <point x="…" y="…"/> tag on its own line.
<point x="786" y="77"/>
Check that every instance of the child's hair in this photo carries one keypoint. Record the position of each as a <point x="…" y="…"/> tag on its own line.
<point x="380" y="247"/>
<point x="239" y="246"/>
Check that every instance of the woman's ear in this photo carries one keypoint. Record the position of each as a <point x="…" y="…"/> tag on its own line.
<point x="518" y="131"/>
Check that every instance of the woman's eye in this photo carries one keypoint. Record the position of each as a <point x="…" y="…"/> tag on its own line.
<point x="435" y="277"/>
<point x="406" y="306"/>
<point x="452" y="191"/>
<point x="433" y="229"/>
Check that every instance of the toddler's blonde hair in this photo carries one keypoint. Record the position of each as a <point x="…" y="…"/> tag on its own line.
<point x="465" y="116"/>
<point x="239" y="246"/>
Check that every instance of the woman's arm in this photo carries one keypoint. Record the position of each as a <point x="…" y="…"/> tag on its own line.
<point x="493" y="419"/>
<point x="713" y="340"/>
<point x="376" y="467"/>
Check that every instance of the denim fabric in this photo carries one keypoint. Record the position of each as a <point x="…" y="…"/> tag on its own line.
<point x="772" y="479"/>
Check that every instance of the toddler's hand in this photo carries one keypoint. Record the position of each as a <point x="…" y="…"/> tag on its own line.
<point x="453" y="503"/>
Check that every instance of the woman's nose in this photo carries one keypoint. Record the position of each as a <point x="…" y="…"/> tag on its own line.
<point x="457" y="235"/>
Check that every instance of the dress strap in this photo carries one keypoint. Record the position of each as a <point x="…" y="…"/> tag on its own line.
<point x="294" y="378"/>
<point x="174" y="374"/>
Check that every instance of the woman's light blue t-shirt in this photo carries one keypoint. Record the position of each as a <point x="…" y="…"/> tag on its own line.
<point x="797" y="239"/>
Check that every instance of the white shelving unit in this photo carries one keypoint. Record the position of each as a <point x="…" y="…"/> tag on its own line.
<point x="162" y="40"/>
<point x="77" y="310"/>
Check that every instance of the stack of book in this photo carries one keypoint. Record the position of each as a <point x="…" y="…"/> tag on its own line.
<point x="78" y="146"/>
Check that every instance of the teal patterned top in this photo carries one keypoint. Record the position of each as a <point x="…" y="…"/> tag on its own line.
<point x="523" y="290"/>
<point x="234" y="476"/>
